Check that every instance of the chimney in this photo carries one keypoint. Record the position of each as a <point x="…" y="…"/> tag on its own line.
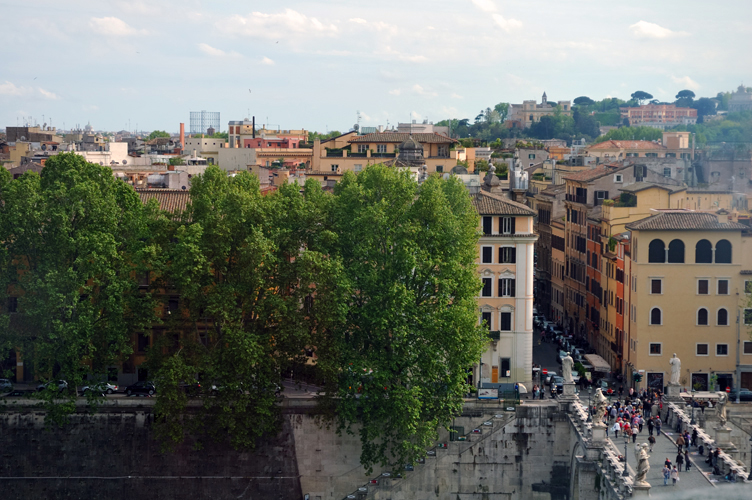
<point x="723" y="216"/>
<point x="182" y="135"/>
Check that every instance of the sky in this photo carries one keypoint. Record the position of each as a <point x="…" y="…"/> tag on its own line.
<point x="315" y="64"/>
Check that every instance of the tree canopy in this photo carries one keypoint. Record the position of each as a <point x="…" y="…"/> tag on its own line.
<point x="641" y="96"/>
<point x="583" y="100"/>
<point x="157" y="133"/>
<point x="685" y="94"/>
<point x="632" y="133"/>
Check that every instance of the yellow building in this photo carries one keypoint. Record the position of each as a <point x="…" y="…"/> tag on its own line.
<point x="354" y="152"/>
<point x="505" y="263"/>
<point x="684" y="278"/>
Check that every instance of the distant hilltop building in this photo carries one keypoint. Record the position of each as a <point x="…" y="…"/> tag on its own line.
<point x="660" y="116"/>
<point x="741" y="100"/>
<point x="525" y="114"/>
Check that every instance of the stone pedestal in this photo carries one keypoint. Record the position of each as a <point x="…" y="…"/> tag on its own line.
<point x="598" y="433"/>
<point x="723" y="437"/>
<point x="641" y="490"/>
<point x="569" y="390"/>
<point x="673" y="392"/>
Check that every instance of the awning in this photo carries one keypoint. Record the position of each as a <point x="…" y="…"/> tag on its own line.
<point x="599" y="364"/>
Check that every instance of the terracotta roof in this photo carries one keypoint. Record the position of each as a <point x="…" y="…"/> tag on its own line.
<point x="627" y="145"/>
<point x="490" y="204"/>
<point x="594" y="173"/>
<point x="170" y="200"/>
<point x="676" y="220"/>
<point x="642" y="186"/>
<point x="402" y="137"/>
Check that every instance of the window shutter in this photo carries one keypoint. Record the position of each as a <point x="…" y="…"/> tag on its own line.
<point x="501" y="287"/>
<point x="487" y="254"/>
<point x="513" y="251"/>
<point x="506" y="322"/>
<point x="487" y="222"/>
<point x="512" y="287"/>
<point x="512" y="221"/>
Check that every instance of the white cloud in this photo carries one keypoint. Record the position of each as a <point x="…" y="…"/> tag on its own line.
<point x="276" y="26"/>
<point x="644" y="29"/>
<point x="9" y="88"/>
<point x="485" y="5"/>
<point x="111" y="26"/>
<point x="358" y="20"/>
<point x="267" y="61"/>
<point x="395" y="92"/>
<point x="421" y="91"/>
<point x="506" y="24"/>
<point x="401" y="56"/>
<point x="456" y="96"/>
<point x="47" y="94"/>
<point x="686" y="81"/>
<point x="215" y="52"/>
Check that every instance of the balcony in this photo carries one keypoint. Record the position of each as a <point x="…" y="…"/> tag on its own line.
<point x="494" y="335"/>
<point x="577" y="199"/>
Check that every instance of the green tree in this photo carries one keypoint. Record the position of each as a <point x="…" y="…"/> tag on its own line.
<point x="220" y="135"/>
<point x="641" y="96"/>
<point x="177" y="160"/>
<point x="583" y="101"/>
<point x="243" y="266"/>
<point x="685" y="94"/>
<point x="312" y="136"/>
<point x="157" y="133"/>
<point x="411" y="330"/>
<point x="632" y="133"/>
<point x="503" y="110"/>
<point x="73" y="244"/>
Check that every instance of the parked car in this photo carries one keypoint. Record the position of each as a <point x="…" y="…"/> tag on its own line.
<point x="62" y="385"/>
<point x="102" y="388"/>
<point x="557" y="384"/>
<point x="549" y="376"/>
<point x="744" y="395"/>
<point x="17" y="393"/>
<point x="142" y="387"/>
<point x="5" y="385"/>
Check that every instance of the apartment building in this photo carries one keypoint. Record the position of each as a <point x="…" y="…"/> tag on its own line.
<point x="659" y="116"/>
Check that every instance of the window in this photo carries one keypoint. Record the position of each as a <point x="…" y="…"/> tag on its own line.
<point x="656" y="285"/>
<point x="723" y="252"/>
<point x="173" y="304"/>
<point x="703" y="252"/>
<point x="748" y="286"/>
<point x="702" y="349"/>
<point x="531" y="156"/>
<point x="657" y="251"/>
<point x="143" y="279"/>
<point x="723" y="287"/>
<point x="747" y="347"/>
<point x="507" y="225"/>
<point x="702" y="287"/>
<point x="507" y="255"/>
<point x="722" y="319"/>
<point x="676" y="252"/>
<point x="487" y="224"/>
<point x="486" y="255"/>
<point x="362" y="148"/>
<point x="381" y="148"/>
<point x="358" y="167"/>
<point x="485" y="320"/>
<point x="143" y="342"/>
<point x="334" y="168"/>
<point x="666" y="171"/>
<point x="618" y="178"/>
<point x="721" y="349"/>
<point x="12" y="304"/>
<point x="748" y="316"/>
<point x="487" y="283"/>
<point x="655" y="316"/>
<point x="656" y="349"/>
<point x="440" y="168"/>
<point x="506" y="364"/>
<point x="507" y="287"/>
<point x="443" y="151"/>
<point x="506" y="322"/>
<point x="702" y="316"/>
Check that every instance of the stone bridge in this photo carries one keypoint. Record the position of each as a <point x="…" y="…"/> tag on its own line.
<point x="538" y="450"/>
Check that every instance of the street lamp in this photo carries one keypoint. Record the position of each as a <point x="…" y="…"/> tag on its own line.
<point x="626" y="442"/>
<point x="589" y="405"/>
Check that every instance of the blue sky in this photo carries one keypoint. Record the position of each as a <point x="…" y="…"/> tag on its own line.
<point x="314" y="64"/>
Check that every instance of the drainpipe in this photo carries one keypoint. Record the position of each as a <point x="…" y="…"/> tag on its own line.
<point x="738" y="346"/>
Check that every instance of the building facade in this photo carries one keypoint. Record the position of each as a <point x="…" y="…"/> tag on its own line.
<point x="660" y="116"/>
<point x="529" y="112"/>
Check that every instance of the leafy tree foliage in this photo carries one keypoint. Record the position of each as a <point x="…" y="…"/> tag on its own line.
<point x="73" y="242"/>
<point x="316" y="135"/>
<point x="641" y="96"/>
<point x="685" y="94"/>
<point x="632" y="133"/>
<point x="583" y="101"/>
<point x="219" y="135"/>
<point x="157" y="133"/>
<point x="734" y="128"/>
<point x="410" y="331"/>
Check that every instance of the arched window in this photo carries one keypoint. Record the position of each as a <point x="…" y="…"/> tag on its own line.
<point x="702" y="316"/>
<point x="676" y="252"/>
<point x="722" y="317"/>
<point x="703" y="252"/>
<point x="655" y="316"/>
<point x="657" y="251"/>
<point x="723" y="252"/>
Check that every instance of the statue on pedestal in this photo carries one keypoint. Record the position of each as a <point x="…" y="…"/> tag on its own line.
<point x="600" y="402"/>
<point x="720" y="408"/>
<point x="566" y="369"/>
<point x="643" y="466"/>
<point x="675" y="370"/>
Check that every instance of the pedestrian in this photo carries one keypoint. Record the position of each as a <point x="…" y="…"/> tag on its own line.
<point x="650" y="426"/>
<point x="651" y="441"/>
<point x="634" y="435"/>
<point x="694" y="437"/>
<point x="666" y="474"/>
<point x="621" y="391"/>
<point x="658" y="426"/>
<point x="679" y="460"/>
<point x="680" y="442"/>
<point x="674" y="475"/>
<point x="616" y="428"/>
<point x="686" y="461"/>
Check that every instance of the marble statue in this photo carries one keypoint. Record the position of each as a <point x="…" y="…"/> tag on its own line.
<point x="643" y="466"/>
<point x="566" y="369"/>
<point x="720" y="408"/>
<point x="600" y="402"/>
<point x="675" y="370"/>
